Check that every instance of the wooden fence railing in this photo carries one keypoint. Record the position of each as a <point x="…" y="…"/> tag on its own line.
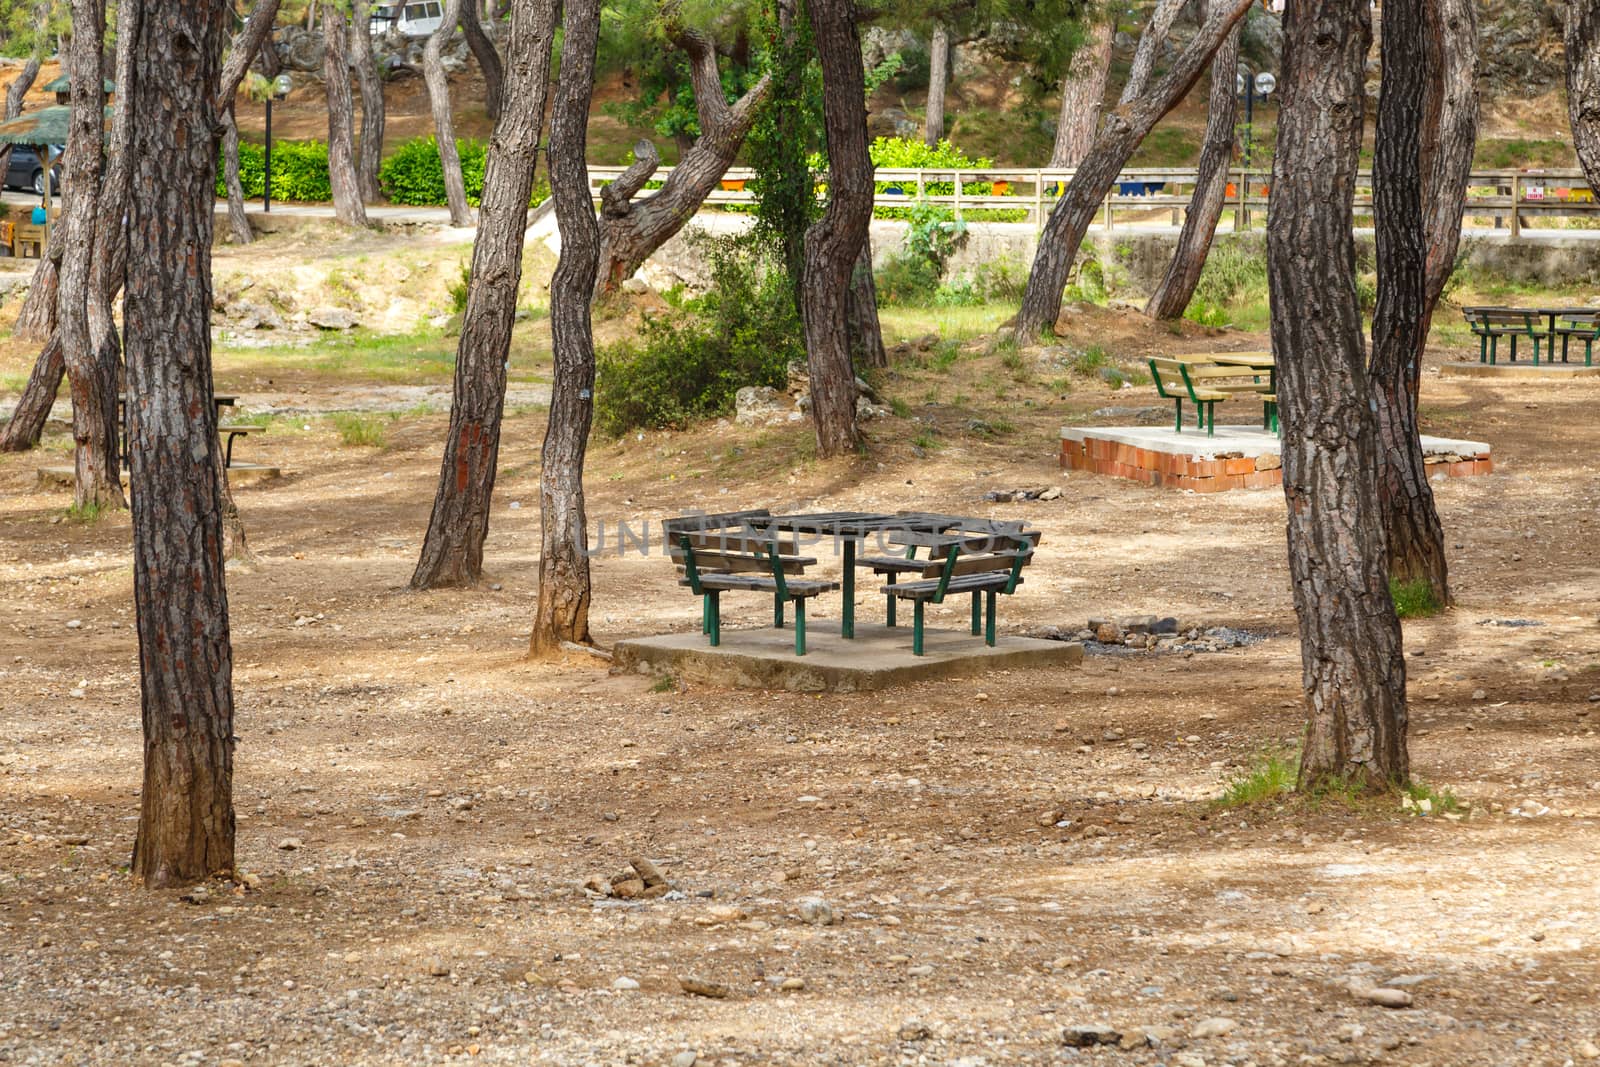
<point x="1010" y="194"/>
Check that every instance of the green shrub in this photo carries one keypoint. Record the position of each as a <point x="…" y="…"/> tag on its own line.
<point x="458" y="289"/>
<point x="909" y="153"/>
<point x="912" y="275"/>
<point x="299" y="171"/>
<point x="688" y="365"/>
<point x="359" y="430"/>
<point x="414" y="175"/>
<point x="1271" y="774"/>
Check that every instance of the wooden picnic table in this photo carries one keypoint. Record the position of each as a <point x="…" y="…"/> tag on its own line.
<point x="1550" y="314"/>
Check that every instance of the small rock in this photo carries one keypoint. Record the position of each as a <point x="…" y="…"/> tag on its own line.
<point x="696" y="987"/>
<point x="816" y="911"/>
<point x="914" y="1030"/>
<point x="1387" y="998"/>
<point x="435" y="967"/>
<point x="1479" y="694"/>
<point x="624" y="984"/>
<point x="1589" y="1050"/>
<point x="74" y="624"/>
<point x="684" y="1059"/>
<point x="291" y="844"/>
<point x="1216" y="1027"/>
<point x="331" y="318"/>
<point x="792" y="985"/>
<point x="1083" y="1036"/>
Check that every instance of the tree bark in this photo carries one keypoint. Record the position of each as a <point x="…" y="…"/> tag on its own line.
<point x="1399" y="326"/>
<point x="1449" y="133"/>
<point x="562" y="614"/>
<point x="1582" y="38"/>
<point x="1083" y="93"/>
<point x="488" y="57"/>
<point x="1176" y="288"/>
<point x="1151" y="41"/>
<point x="36" y="319"/>
<point x="252" y="40"/>
<point x="238" y="221"/>
<point x="38" y="397"/>
<point x="861" y="312"/>
<point x="347" y="204"/>
<point x="186" y="821"/>
<point x="1352" y="667"/>
<point x="109" y="262"/>
<point x="631" y="230"/>
<point x="455" y="189"/>
<point x="452" y="552"/>
<point x="370" y="82"/>
<point x="97" y="466"/>
<point x="938" y="84"/>
<point x="1124" y="128"/>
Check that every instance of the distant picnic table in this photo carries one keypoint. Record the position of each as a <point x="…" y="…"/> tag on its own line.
<point x="757" y="551"/>
<point x="1490" y="322"/>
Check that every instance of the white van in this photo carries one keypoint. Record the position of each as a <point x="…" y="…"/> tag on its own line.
<point x="417" y="19"/>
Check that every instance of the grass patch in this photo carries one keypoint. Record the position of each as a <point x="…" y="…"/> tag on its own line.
<point x="1414" y="599"/>
<point x="1420" y="798"/>
<point x="88" y="514"/>
<point x="1091" y="360"/>
<point x="665" y="684"/>
<point x="927" y="441"/>
<point x="360" y="430"/>
<point x="901" y="409"/>
<point x="1270" y="774"/>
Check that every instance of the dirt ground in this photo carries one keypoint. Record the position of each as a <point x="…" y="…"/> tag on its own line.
<point x="1004" y="857"/>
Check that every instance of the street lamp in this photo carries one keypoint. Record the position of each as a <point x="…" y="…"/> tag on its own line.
<point x="1251" y="86"/>
<point x="279" y="89"/>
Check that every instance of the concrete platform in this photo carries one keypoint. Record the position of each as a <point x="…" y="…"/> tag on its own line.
<point x="877" y="658"/>
<point x="1520" y="372"/>
<point x="1236" y="457"/>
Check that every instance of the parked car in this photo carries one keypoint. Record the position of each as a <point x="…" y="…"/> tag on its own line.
<point x="417" y="19"/>
<point x="24" y="171"/>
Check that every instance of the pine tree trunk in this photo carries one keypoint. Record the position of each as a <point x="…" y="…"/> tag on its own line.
<point x="36" y="319"/>
<point x="252" y="41"/>
<point x="370" y="83"/>
<point x="238" y="221"/>
<point x="186" y="822"/>
<point x="1123" y="130"/>
<point x="631" y="230"/>
<point x="1449" y="133"/>
<point x="1583" y="84"/>
<point x="1399" y="326"/>
<point x="452" y="552"/>
<point x="109" y="262"/>
<point x="861" y="312"/>
<point x="1176" y="288"/>
<point x="455" y="189"/>
<point x="833" y="243"/>
<point x="488" y="57"/>
<point x="1083" y="94"/>
<point x="38" y="397"/>
<point x="1352" y="667"/>
<point x="938" y="84"/>
<point x="347" y="203"/>
<point x="562" y="614"/>
<point x="97" y="465"/>
<point x="1151" y="40"/>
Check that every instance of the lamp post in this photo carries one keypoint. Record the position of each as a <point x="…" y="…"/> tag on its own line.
<point x="280" y="87"/>
<point x="1250" y="85"/>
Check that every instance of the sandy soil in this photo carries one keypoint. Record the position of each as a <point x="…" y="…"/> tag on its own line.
<point x="1005" y="857"/>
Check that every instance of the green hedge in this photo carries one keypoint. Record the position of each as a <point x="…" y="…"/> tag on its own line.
<point x="299" y="171"/>
<point x="414" y="175"/>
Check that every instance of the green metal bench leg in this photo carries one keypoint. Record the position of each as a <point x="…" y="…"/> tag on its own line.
<point x="977" y="611"/>
<point x="891" y="599"/>
<point x="777" y="612"/>
<point x="1177" y="423"/>
<point x="705" y="613"/>
<point x="988" y="627"/>
<point x="1588" y="353"/>
<point x="799" y="627"/>
<point x="1536" y="351"/>
<point x="1513" y="348"/>
<point x="916" y="628"/>
<point x="715" y="596"/>
<point x="1483" y="348"/>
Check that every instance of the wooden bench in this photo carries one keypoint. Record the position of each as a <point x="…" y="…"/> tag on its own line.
<point x="984" y="559"/>
<point x="733" y="552"/>
<point x="1206" y="385"/>
<point x="243" y="429"/>
<point x="1584" y="327"/>
<point x="1491" y="324"/>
